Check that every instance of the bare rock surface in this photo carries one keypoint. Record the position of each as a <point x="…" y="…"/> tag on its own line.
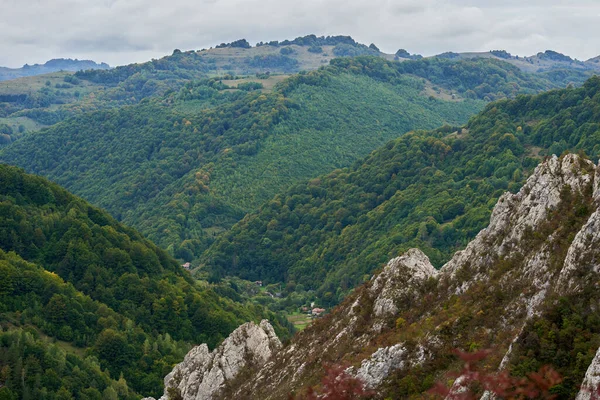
<point x="202" y="374"/>
<point x="591" y="383"/>
<point x="542" y="243"/>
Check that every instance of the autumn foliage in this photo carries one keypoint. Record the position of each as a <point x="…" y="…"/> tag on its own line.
<point x="470" y="382"/>
<point x="337" y="384"/>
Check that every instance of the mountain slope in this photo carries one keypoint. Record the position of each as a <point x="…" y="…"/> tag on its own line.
<point x="432" y="190"/>
<point x="73" y="273"/>
<point x="525" y="288"/>
<point x="542" y="62"/>
<point x="206" y="155"/>
<point x="209" y="166"/>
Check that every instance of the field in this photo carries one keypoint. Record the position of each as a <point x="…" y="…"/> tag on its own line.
<point x="52" y="86"/>
<point x="300" y="320"/>
<point x="268" y="84"/>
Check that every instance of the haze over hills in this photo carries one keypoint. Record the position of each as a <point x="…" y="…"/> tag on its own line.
<point x="541" y="62"/>
<point x="35" y="102"/>
<point x="55" y="65"/>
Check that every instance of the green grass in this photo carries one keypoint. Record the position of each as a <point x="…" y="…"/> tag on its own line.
<point x="300" y="320"/>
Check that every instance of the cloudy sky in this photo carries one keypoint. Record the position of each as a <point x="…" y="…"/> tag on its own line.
<point x="124" y="31"/>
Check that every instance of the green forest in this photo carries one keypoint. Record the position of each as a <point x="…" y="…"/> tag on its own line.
<point x="428" y="189"/>
<point x="186" y="166"/>
<point x="309" y="186"/>
<point x="79" y="289"/>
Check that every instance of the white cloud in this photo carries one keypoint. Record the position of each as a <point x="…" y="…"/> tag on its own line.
<point x="124" y="31"/>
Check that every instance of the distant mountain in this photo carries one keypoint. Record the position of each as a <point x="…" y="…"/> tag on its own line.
<point x="55" y="65"/>
<point x="31" y="103"/>
<point x="546" y="61"/>
<point x="595" y="60"/>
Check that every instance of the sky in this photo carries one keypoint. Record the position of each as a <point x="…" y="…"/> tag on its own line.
<point x="125" y="31"/>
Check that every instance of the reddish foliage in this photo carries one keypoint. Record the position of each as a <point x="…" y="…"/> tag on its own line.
<point x="338" y="385"/>
<point x="536" y="385"/>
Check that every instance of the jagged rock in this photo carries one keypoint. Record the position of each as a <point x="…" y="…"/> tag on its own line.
<point x="202" y="374"/>
<point x="591" y="383"/>
<point x="398" y="279"/>
<point x="410" y="314"/>
<point x="515" y="213"/>
<point x="374" y="370"/>
<point x="583" y="255"/>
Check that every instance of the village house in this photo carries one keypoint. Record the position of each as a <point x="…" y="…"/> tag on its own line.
<point x="317" y="311"/>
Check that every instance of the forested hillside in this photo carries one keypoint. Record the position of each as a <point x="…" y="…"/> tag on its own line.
<point x="114" y="304"/>
<point x="431" y="190"/>
<point x="186" y="166"/>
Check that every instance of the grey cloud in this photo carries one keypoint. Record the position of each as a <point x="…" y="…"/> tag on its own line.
<point x="104" y="43"/>
<point x="124" y="31"/>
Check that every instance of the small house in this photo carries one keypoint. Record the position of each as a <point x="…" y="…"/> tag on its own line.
<point x="317" y="311"/>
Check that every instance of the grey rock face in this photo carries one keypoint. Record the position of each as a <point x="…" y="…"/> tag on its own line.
<point x="202" y="374"/>
<point x="516" y="213"/>
<point x="398" y="280"/>
<point x="591" y="382"/>
<point x="404" y="317"/>
<point x="374" y="370"/>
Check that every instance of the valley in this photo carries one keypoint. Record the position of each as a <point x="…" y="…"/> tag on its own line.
<point x="257" y="217"/>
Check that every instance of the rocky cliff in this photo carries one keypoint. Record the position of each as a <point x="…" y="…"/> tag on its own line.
<point x="524" y="288"/>
<point x="202" y="374"/>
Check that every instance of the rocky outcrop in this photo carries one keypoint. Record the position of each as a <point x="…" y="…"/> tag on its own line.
<point x="374" y="370"/>
<point x="591" y="383"/>
<point x="373" y="309"/>
<point x="542" y="243"/>
<point x="202" y="374"/>
<point x="516" y="214"/>
<point x="398" y="280"/>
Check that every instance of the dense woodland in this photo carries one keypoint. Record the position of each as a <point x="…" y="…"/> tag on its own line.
<point x="194" y="162"/>
<point x="186" y="166"/>
<point x="431" y="190"/>
<point x="117" y="304"/>
<point x="228" y="177"/>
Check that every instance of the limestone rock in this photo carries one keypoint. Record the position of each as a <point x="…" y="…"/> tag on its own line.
<point x="410" y="314"/>
<point x="515" y="214"/>
<point x="591" y="382"/>
<point x="374" y="370"/>
<point x="202" y="374"/>
<point x="398" y="279"/>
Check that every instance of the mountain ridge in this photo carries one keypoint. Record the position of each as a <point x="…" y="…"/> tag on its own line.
<point x="431" y="190"/>
<point x="397" y="334"/>
<point x="54" y="65"/>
